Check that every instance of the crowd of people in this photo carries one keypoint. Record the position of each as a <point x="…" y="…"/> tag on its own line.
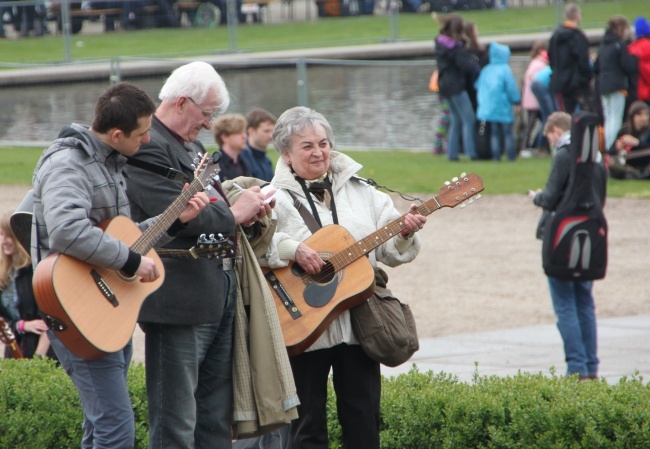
<point x="193" y="336"/>
<point x="478" y="89"/>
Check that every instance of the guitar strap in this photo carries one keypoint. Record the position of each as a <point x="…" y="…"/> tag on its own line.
<point x="165" y="172"/>
<point x="308" y="218"/>
<point x="318" y="188"/>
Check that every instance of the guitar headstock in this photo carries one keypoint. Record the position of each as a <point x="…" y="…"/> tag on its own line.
<point x="6" y="335"/>
<point x="206" y="169"/>
<point x="214" y="246"/>
<point x="459" y="190"/>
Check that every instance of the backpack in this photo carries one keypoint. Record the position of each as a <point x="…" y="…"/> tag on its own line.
<point x="575" y="236"/>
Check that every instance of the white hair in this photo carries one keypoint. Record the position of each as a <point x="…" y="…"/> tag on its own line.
<point x="196" y="80"/>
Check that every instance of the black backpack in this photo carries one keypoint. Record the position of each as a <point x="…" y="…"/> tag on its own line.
<point x="575" y="236"/>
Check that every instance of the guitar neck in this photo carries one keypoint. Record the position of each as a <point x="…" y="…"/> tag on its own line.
<point x="637" y="154"/>
<point x="149" y="238"/>
<point x="368" y="244"/>
<point x="176" y="253"/>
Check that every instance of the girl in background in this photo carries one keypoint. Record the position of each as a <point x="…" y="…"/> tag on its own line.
<point x="17" y="302"/>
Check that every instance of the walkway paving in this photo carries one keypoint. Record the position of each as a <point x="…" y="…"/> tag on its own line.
<point x="623" y="350"/>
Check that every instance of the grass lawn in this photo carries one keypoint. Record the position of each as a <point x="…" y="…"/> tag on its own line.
<point x="400" y="170"/>
<point x="322" y="32"/>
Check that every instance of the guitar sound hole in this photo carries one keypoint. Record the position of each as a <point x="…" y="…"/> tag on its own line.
<point x="325" y="275"/>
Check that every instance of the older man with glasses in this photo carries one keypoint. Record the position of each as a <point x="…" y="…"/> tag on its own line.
<point x="188" y="322"/>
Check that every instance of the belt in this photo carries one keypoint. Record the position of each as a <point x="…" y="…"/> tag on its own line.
<point x="227" y="264"/>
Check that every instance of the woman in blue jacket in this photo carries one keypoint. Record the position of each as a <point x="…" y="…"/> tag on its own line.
<point x="497" y="93"/>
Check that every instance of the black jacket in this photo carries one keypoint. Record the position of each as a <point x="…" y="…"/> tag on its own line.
<point x="455" y="66"/>
<point x="615" y="68"/>
<point x="568" y="54"/>
<point x="194" y="291"/>
<point x="28" y="311"/>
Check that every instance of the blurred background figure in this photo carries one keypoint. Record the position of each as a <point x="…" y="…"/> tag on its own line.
<point x="641" y="49"/>
<point x="616" y="74"/>
<point x="630" y="152"/>
<point x="260" y="132"/>
<point x="229" y="131"/>
<point x="497" y="93"/>
<point x="529" y="102"/>
<point x="17" y="303"/>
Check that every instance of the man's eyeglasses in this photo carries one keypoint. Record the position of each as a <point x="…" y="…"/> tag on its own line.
<point x="209" y="115"/>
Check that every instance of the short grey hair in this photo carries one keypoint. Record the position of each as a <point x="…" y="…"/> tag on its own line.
<point x="195" y="80"/>
<point x="572" y="12"/>
<point x="293" y="122"/>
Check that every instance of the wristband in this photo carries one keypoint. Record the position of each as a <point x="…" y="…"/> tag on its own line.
<point x="21" y="326"/>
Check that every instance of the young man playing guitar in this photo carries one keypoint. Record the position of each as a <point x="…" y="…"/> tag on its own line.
<point x="78" y="184"/>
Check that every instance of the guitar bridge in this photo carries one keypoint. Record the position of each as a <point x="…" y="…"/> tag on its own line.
<point x="104" y="288"/>
<point x="283" y="295"/>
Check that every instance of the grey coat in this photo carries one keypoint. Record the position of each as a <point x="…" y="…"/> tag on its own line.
<point x="78" y="183"/>
<point x="193" y="291"/>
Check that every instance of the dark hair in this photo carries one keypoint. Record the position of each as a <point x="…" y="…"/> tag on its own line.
<point x="452" y="26"/>
<point x="121" y="106"/>
<point x="473" y="45"/>
<point x="257" y="116"/>
<point x="618" y="25"/>
<point x="635" y="109"/>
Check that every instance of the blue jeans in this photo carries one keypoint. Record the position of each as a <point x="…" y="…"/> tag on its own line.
<point x="189" y="380"/>
<point x="546" y="105"/>
<point x="502" y="132"/>
<point x="108" y="416"/>
<point x="463" y="121"/>
<point x="613" y="110"/>
<point x="576" y="319"/>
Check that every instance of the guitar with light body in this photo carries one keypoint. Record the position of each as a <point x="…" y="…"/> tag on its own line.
<point x="93" y="310"/>
<point x="307" y="304"/>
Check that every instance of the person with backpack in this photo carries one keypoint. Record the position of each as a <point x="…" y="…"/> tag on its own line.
<point x="573" y="300"/>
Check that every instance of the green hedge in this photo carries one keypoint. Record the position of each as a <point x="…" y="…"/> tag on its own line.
<point x="39" y="408"/>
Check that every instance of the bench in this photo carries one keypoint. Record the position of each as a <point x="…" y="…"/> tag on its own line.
<point x="254" y="10"/>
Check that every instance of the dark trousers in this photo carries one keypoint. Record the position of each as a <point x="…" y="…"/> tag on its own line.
<point x="357" y="384"/>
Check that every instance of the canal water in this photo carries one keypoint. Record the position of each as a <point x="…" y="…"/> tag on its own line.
<point x="370" y="106"/>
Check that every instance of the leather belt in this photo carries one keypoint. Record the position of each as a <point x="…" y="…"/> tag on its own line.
<point x="227" y="264"/>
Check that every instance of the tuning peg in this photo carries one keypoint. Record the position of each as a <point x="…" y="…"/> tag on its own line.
<point x="470" y="201"/>
<point x="447" y="183"/>
<point x="463" y="175"/>
<point x="454" y="179"/>
<point x="463" y="205"/>
<point x="478" y="196"/>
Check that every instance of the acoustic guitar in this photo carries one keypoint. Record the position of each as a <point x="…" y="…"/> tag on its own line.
<point x="9" y="339"/>
<point x="307" y="304"/>
<point x="93" y="310"/>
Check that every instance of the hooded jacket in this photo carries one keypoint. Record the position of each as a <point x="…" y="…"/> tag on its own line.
<point x="615" y="68"/>
<point x="528" y="100"/>
<point x="568" y="54"/>
<point x="455" y="65"/>
<point x="641" y="49"/>
<point x="497" y="87"/>
<point x="79" y="183"/>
